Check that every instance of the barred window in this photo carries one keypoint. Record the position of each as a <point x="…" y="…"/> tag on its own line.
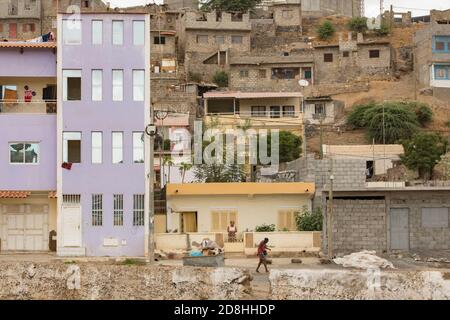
<point x="118" y="209"/>
<point x="138" y="210"/>
<point x="97" y="210"/>
<point x="71" y="199"/>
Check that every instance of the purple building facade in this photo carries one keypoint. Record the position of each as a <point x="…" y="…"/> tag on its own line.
<point x="103" y="94"/>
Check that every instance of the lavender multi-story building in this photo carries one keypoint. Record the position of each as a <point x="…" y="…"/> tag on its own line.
<point x="76" y="180"/>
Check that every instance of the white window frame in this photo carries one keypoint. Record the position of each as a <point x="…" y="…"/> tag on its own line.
<point x="118" y="210"/>
<point x="96" y="148"/>
<point x="115" y="24"/>
<point x="138" y="209"/>
<point x="138" y="76"/>
<point x="117" y="88"/>
<point x="139" y="147"/>
<point x="114" y="147"/>
<point x="24" y="163"/>
<point x="71" y="73"/>
<point x="137" y="25"/>
<point x="71" y="135"/>
<point x="97" y="39"/>
<point x="97" y="210"/>
<point x="72" y="24"/>
<point x="97" y="95"/>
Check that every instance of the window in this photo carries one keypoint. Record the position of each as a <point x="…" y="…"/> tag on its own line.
<point x="28" y="27"/>
<point x="285" y="73"/>
<point x="97" y="31"/>
<point x="24" y="152"/>
<point x="328" y="57"/>
<point x="118" y="209"/>
<point x="117" y="78"/>
<point x="258" y="111"/>
<point x="159" y="40"/>
<point x="288" y="111"/>
<point x="435" y="217"/>
<point x="72" y="147"/>
<point x="72" y="32"/>
<point x="275" y="111"/>
<point x="243" y="73"/>
<point x="138" y="209"/>
<point x="138" y="85"/>
<point x="346" y="54"/>
<point x="374" y="53"/>
<point x="319" y="108"/>
<point x="442" y="72"/>
<point x="220" y="219"/>
<point x="307" y="73"/>
<point x="96" y="147"/>
<point x="71" y="85"/>
<point x="286" y="219"/>
<point x="9" y="93"/>
<point x="97" y="210"/>
<point x="220" y="39"/>
<point x="117" y="147"/>
<point x="262" y="73"/>
<point x="441" y="44"/>
<point x="138" y="147"/>
<point x="202" y="39"/>
<point x="96" y="79"/>
<point x="236" y="39"/>
<point x="86" y="3"/>
<point x="117" y="32"/>
<point x="138" y="33"/>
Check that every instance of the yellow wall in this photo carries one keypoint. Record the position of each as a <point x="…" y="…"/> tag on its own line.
<point x="251" y="210"/>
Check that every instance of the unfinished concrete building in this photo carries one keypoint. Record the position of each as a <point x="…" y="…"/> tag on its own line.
<point x="210" y="39"/>
<point x="352" y="60"/>
<point x="320" y="8"/>
<point x="20" y="19"/>
<point x="432" y="55"/>
<point x="181" y="4"/>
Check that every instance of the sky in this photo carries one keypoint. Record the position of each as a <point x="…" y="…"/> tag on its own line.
<point x="418" y="7"/>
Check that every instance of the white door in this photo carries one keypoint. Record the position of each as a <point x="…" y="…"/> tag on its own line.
<point x="71" y="226"/>
<point x="26" y="227"/>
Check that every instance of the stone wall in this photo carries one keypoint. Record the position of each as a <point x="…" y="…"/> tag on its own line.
<point x="359" y="224"/>
<point x="89" y="281"/>
<point x="359" y="285"/>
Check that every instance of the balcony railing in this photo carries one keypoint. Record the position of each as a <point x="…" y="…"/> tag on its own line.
<point x="20" y="106"/>
<point x="258" y="114"/>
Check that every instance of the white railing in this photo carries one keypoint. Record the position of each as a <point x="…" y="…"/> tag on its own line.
<point x="257" y="114"/>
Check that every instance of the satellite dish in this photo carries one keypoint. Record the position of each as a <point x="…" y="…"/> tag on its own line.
<point x="303" y="83"/>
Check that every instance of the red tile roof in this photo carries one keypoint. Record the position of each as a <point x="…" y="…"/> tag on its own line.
<point x="52" y="194"/>
<point x="23" y="44"/>
<point x="14" y="194"/>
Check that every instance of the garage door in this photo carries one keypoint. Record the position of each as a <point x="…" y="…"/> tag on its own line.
<point x="399" y="229"/>
<point x="25" y="227"/>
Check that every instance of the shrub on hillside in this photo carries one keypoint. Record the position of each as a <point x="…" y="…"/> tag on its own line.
<point x="221" y="78"/>
<point x="383" y="31"/>
<point x="326" y="30"/>
<point x="309" y="221"/>
<point x="358" y="24"/>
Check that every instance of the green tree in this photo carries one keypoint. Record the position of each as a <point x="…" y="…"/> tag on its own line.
<point x="423" y="112"/>
<point x="326" y="30"/>
<point x="309" y="221"/>
<point x="356" y="117"/>
<point x="423" y="152"/>
<point x="358" y="24"/>
<point x="229" y="5"/>
<point x="221" y="78"/>
<point x="383" y="31"/>
<point x="290" y="146"/>
<point x="184" y="167"/>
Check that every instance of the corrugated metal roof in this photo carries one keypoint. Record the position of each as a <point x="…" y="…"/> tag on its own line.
<point x="251" y="95"/>
<point x="23" y="44"/>
<point x="14" y="194"/>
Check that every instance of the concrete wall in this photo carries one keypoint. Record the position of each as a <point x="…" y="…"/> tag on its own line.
<point x="359" y="285"/>
<point x="286" y="241"/>
<point x="58" y="281"/>
<point x="30" y="63"/>
<point x="251" y="211"/>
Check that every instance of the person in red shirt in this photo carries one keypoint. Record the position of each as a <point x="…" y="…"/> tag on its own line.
<point x="262" y="254"/>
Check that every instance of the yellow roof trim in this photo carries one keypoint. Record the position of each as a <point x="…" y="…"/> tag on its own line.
<point x="240" y="188"/>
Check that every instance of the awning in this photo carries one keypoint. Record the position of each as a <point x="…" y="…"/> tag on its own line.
<point x="14" y="194"/>
<point x="251" y="95"/>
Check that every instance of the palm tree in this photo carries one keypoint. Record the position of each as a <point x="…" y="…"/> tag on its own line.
<point x="168" y="161"/>
<point x="184" y="167"/>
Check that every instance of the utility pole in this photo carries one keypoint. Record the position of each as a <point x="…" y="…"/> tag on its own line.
<point x="330" y="211"/>
<point x="150" y="130"/>
<point x="321" y="137"/>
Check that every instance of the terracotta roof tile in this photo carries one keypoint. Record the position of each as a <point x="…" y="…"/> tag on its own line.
<point x="23" y="44"/>
<point x="14" y="194"/>
<point x="52" y="194"/>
